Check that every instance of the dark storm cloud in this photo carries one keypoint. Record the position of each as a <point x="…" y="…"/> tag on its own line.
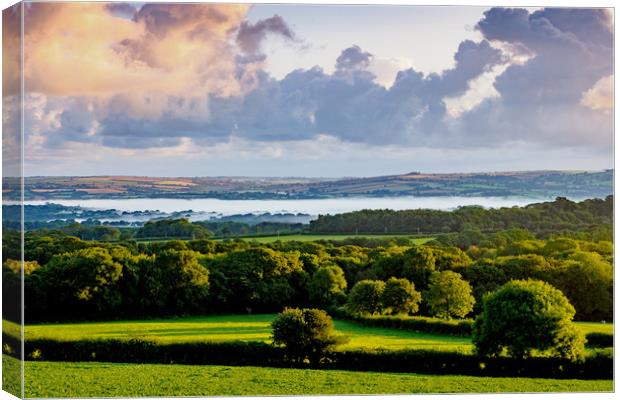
<point x="123" y="10"/>
<point x="353" y="58"/>
<point x="250" y="36"/>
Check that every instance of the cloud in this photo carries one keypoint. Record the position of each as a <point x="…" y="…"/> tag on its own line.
<point x="250" y="36"/>
<point x="123" y="10"/>
<point x="164" y="48"/>
<point x="11" y="50"/>
<point x="540" y="100"/>
<point x="577" y="55"/>
<point x="177" y="76"/>
<point x="385" y="69"/>
<point x="601" y="95"/>
<point x="480" y="89"/>
<point x="146" y="73"/>
<point x="353" y="58"/>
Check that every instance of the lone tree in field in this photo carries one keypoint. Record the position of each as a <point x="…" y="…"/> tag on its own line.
<point x="526" y="315"/>
<point x="449" y="295"/>
<point x="365" y="297"/>
<point x="305" y="334"/>
<point x="400" y="297"/>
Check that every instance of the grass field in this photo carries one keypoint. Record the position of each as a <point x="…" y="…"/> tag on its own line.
<point x="312" y="238"/>
<point x="11" y="375"/>
<point x="59" y="379"/>
<point x="591" y="327"/>
<point x="249" y="328"/>
<point x="234" y="327"/>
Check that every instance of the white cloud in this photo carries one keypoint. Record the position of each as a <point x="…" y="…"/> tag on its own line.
<point x="601" y="95"/>
<point x="480" y="89"/>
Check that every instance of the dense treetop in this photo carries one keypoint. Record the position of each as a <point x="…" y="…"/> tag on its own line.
<point x="129" y="278"/>
<point x="540" y="218"/>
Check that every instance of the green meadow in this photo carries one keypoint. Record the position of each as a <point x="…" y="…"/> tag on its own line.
<point x="249" y="328"/>
<point x="595" y="327"/>
<point x="86" y="379"/>
<point x="231" y="328"/>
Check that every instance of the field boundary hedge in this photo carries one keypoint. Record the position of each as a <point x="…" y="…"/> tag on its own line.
<point x="456" y="328"/>
<point x="415" y="324"/>
<point x="598" y="366"/>
<point x="599" y="340"/>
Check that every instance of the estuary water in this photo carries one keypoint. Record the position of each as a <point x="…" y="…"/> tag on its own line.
<point x="311" y="207"/>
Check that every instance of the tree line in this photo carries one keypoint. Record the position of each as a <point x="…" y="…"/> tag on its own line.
<point x="540" y="218"/>
<point x="67" y="278"/>
<point x="170" y="228"/>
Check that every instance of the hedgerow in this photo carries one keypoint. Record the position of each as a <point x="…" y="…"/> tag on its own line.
<point x="597" y="366"/>
<point x="599" y="340"/>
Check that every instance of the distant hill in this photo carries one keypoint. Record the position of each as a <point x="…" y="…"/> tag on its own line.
<point x="535" y="184"/>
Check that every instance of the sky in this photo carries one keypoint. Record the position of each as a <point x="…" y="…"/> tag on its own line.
<point x="300" y="90"/>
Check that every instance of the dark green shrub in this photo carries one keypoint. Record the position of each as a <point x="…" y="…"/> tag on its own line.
<point x="523" y="316"/>
<point x="305" y="334"/>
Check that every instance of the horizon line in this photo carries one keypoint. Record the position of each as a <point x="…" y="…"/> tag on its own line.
<point x="322" y="177"/>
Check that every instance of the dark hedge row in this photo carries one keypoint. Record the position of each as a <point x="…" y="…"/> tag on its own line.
<point x="599" y="366"/>
<point x="456" y="328"/>
<point x="415" y="324"/>
<point x="144" y="351"/>
<point x="599" y="340"/>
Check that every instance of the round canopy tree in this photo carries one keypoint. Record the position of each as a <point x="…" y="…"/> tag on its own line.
<point x="400" y="297"/>
<point x="365" y="297"/>
<point x="305" y="333"/>
<point x="327" y="287"/>
<point x="78" y="283"/>
<point x="449" y="295"/>
<point x="527" y="315"/>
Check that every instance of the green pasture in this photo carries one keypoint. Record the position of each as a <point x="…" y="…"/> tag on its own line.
<point x="86" y="379"/>
<point x="595" y="327"/>
<point x="248" y="328"/>
<point x="231" y="328"/>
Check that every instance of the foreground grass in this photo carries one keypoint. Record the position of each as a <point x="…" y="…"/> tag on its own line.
<point x="235" y="327"/>
<point x="11" y="375"/>
<point x="312" y="238"/>
<point x="59" y="379"/>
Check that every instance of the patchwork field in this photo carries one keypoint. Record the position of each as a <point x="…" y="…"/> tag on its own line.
<point x="59" y="379"/>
